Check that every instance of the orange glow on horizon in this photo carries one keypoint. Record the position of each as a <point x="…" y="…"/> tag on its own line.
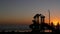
<point x="55" y="21"/>
<point x="26" y="20"/>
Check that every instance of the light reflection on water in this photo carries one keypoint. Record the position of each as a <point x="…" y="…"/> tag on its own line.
<point x="47" y="31"/>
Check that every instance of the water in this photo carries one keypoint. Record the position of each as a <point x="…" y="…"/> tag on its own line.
<point x="17" y="28"/>
<point x="24" y="31"/>
<point x="17" y="31"/>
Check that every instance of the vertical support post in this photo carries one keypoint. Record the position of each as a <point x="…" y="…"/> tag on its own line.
<point x="49" y="16"/>
<point x="37" y="19"/>
<point x="43" y="19"/>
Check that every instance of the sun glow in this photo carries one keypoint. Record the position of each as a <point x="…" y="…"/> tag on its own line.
<point x="55" y="22"/>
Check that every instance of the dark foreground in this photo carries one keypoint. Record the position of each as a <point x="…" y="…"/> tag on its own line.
<point x="29" y="33"/>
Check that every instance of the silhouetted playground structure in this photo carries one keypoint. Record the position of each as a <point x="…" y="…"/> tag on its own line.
<point x="40" y="25"/>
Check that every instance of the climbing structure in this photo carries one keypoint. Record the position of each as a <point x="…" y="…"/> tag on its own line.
<point x="38" y="26"/>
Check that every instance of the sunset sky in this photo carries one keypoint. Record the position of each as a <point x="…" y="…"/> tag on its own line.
<point x="22" y="11"/>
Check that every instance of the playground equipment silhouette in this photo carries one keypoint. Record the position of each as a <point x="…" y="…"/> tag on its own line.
<point x="40" y="26"/>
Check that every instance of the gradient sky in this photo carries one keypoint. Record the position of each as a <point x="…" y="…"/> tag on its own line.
<point x="22" y="11"/>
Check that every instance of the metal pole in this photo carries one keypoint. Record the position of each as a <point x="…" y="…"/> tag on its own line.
<point x="49" y="16"/>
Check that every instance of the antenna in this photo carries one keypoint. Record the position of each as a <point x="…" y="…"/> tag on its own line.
<point x="49" y="15"/>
